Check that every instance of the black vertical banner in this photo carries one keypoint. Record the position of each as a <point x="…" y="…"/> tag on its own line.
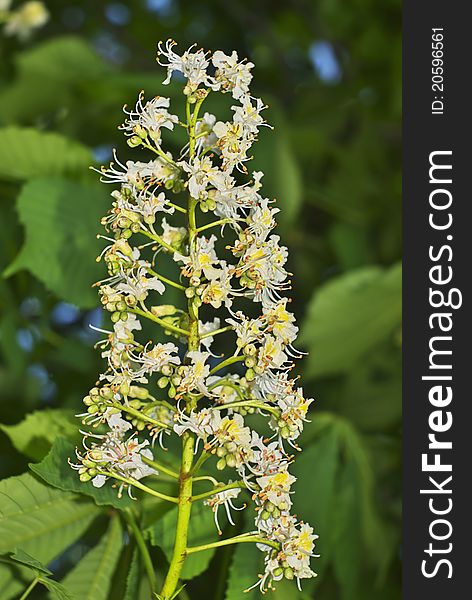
<point x="437" y="401"/>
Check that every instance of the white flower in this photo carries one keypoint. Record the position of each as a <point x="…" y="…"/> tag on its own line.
<point x="173" y="236"/>
<point x="261" y="220"/>
<point x="159" y="356"/>
<point x="202" y="174"/>
<point x="138" y="173"/>
<point x="231" y="75"/>
<point x="204" y="133"/>
<point x="218" y="291"/>
<point x="247" y="330"/>
<point x="224" y="393"/>
<point x="148" y="204"/>
<point x="31" y="15"/>
<point x="195" y="374"/>
<point x="138" y="285"/>
<point x="249" y="116"/>
<point x="203" y="259"/>
<point x="223" y="498"/>
<point x="192" y="65"/>
<point x="200" y="423"/>
<point x="150" y="117"/>
<point x="232" y="143"/>
<point x="276" y="488"/>
<point x="271" y="354"/>
<point x="294" y="408"/>
<point x="280" y="322"/>
<point x="206" y="328"/>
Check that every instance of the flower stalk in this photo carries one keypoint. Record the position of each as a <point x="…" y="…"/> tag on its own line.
<point x="205" y="400"/>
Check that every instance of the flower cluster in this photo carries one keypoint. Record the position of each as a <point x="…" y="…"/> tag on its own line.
<point x="185" y="387"/>
<point x="24" y="20"/>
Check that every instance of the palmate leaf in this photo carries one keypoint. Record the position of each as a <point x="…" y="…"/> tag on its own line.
<point x="23" y="558"/>
<point x="60" y="219"/>
<point x="41" y="572"/>
<point x="27" y="153"/>
<point x="54" y="69"/>
<point x="245" y="566"/>
<point x="91" y="578"/>
<point x="56" y="471"/>
<point x="40" y="520"/>
<point x="335" y="493"/>
<point x="35" y="434"/>
<point x="202" y="530"/>
<point x="57" y="590"/>
<point x="349" y="316"/>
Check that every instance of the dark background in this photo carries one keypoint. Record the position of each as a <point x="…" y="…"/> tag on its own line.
<point x="331" y="74"/>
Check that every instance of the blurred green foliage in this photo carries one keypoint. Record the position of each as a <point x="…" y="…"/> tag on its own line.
<point x="330" y="72"/>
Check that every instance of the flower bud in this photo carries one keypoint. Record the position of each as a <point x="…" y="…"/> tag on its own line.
<point x="162" y="382"/>
<point x="288" y="573"/>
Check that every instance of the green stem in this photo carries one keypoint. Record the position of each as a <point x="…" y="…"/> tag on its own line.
<point x="137" y="484"/>
<point x="204" y="456"/>
<point x="138" y="414"/>
<point x="255" y="539"/>
<point x="177" y="207"/>
<point x="179" y="552"/>
<point x="217" y="490"/>
<point x="160" y="467"/>
<point x="161" y="322"/>
<point x="157" y="238"/>
<point x="177" y="286"/>
<point x="143" y="549"/>
<point x="250" y="404"/>
<point x="226" y="363"/>
<point x="30" y="588"/>
<point x="159" y="152"/>
<point x="215" y="224"/>
<point x="216" y="332"/>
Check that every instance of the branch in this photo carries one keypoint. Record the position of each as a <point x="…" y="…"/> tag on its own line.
<point x="138" y="414"/>
<point x="160" y="467"/>
<point x="217" y="490"/>
<point x="158" y="239"/>
<point x="254" y="538"/>
<point x="216" y="332"/>
<point x="135" y="483"/>
<point x="142" y="548"/>
<point x="161" y="322"/>
<point x="178" y="286"/>
<point x="226" y="363"/>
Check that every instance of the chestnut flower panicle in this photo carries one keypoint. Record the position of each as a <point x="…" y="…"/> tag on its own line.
<point x="186" y="387"/>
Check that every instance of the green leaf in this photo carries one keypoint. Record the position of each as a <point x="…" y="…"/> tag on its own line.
<point x="371" y="393"/>
<point x="133" y="578"/>
<point x="349" y="316"/>
<point x="27" y="153"/>
<point x="60" y="219"/>
<point x="13" y="580"/>
<point x="202" y="530"/>
<point x="91" y="578"/>
<point x="347" y="554"/>
<point x="57" y="590"/>
<point x="24" y="558"/>
<point x="56" y="471"/>
<point x="316" y="471"/>
<point x="245" y="566"/>
<point x="55" y="69"/>
<point x="35" y="435"/>
<point x="40" y="520"/>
